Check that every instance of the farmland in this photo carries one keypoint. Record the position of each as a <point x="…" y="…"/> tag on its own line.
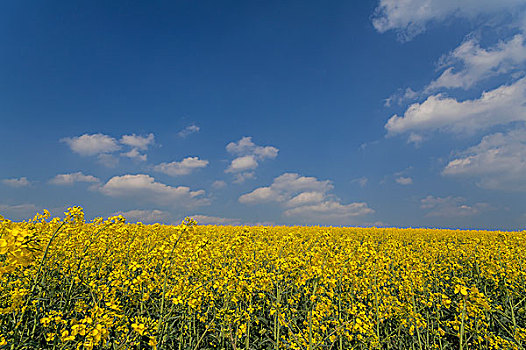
<point x="108" y="284"/>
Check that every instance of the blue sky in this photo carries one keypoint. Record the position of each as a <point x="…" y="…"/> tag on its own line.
<point x="387" y="113"/>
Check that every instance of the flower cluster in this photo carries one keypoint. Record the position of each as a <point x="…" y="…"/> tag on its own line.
<point x="70" y="284"/>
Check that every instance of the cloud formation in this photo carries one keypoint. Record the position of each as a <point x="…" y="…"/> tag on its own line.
<point x="184" y="167"/>
<point x="91" y="145"/>
<point x="403" y="180"/>
<point x="248" y="157"/>
<point x="103" y="146"/>
<point x="477" y="63"/>
<point x="498" y="162"/>
<point x="134" y="154"/>
<point x="17" y="182"/>
<point x="144" y="187"/>
<point x="362" y="181"/>
<point x="218" y="184"/>
<point x="70" y="179"/>
<point x="306" y="198"/>
<point x="190" y="129"/>
<point x="138" y="142"/>
<point x="146" y="216"/>
<point x="500" y="106"/>
<point x="18" y="211"/>
<point x="214" y="220"/>
<point x="410" y="17"/>
<point x="450" y="207"/>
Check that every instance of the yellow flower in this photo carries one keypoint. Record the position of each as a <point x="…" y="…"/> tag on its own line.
<point x="139" y="328"/>
<point x="153" y="342"/>
<point x="65" y="336"/>
<point x="3" y="246"/>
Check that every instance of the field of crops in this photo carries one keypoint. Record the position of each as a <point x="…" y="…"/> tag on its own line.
<point x="107" y="284"/>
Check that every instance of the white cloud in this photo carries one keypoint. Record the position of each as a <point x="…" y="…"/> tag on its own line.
<point x="190" y="129"/>
<point x="144" y="187"/>
<point x="500" y="106"/>
<point x="400" y="96"/>
<point x="138" y="142"/>
<point x="242" y="177"/>
<point x="245" y="146"/>
<point x="497" y="162"/>
<point x="70" y="179"/>
<point x="330" y="210"/>
<point x="362" y="181"/>
<point x="214" y="220"/>
<point x="305" y="197"/>
<point x="103" y="146"/>
<point x="242" y="164"/>
<point x="410" y="17"/>
<point x="285" y="187"/>
<point x="261" y="195"/>
<point x="415" y="139"/>
<point x="450" y="207"/>
<point x="17" y="182"/>
<point x="135" y="154"/>
<point x="218" y="184"/>
<point x="184" y="167"/>
<point x="402" y="180"/>
<point x="19" y="211"/>
<point x="478" y="63"/>
<point x="90" y="145"/>
<point x="249" y="154"/>
<point x="146" y="216"/>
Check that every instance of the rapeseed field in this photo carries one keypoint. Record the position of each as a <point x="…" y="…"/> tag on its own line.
<point x="107" y="284"/>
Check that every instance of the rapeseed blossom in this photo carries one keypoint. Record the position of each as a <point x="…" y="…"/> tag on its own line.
<point x="71" y="284"/>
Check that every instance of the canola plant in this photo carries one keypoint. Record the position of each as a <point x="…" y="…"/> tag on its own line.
<point x="107" y="284"/>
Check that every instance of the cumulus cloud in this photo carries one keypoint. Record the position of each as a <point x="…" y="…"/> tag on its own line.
<point x="242" y="164"/>
<point x="362" y="181"/>
<point x="477" y="63"/>
<point x="18" y="211"/>
<point x="134" y="154"/>
<point x="184" y="167"/>
<point x="144" y="187"/>
<point x="190" y="129"/>
<point x="400" y="96"/>
<point x="214" y="220"/>
<point x="103" y="146"/>
<point x="498" y="162"/>
<point x="242" y="177"/>
<point x="70" y="179"/>
<point x="403" y="180"/>
<point x="17" y="182"/>
<point x="138" y="142"/>
<point x="306" y="198"/>
<point x="146" y="216"/>
<point x="502" y="105"/>
<point x="284" y="187"/>
<point x="248" y="157"/>
<point x="330" y="210"/>
<point x="218" y="184"/>
<point x="90" y="145"/>
<point x="410" y="17"/>
<point x="245" y="146"/>
<point x="450" y="207"/>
